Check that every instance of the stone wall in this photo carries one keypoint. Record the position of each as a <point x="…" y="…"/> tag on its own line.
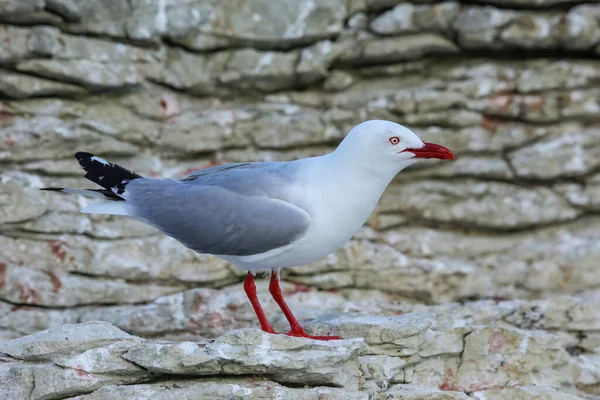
<point x="495" y="253"/>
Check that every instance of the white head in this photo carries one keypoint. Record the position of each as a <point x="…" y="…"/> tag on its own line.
<point x="385" y="145"/>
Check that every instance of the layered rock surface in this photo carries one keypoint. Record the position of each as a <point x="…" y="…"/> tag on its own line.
<point x="499" y="248"/>
<point x="423" y="355"/>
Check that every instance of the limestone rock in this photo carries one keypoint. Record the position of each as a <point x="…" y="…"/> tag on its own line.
<point x="254" y="352"/>
<point x="530" y="31"/>
<point x="275" y="130"/>
<point x="525" y="393"/>
<point x="26" y="286"/>
<point x="264" y="71"/>
<point x="13" y="44"/>
<point x="26" y="12"/>
<point x="547" y="75"/>
<point x="19" y="205"/>
<point x="20" y="86"/>
<point x="315" y="61"/>
<point x="236" y="70"/>
<point x="85" y="72"/>
<point x="66" y="339"/>
<point x="410" y="18"/>
<point x="22" y="6"/>
<point x="67" y="9"/>
<point x="506" y="352"/>
<point x="223" y="388"/>
<point x="586" y="196"/>
<point x="473" y="202"/>
<point x="338" y="81"/>
<point x="580" y="104"/>
<point x="136" y="259"/>
<point x="580" y="28"/>
<point x="479" y="26"/>
<point x="22" y="320"/>
<point x="572" y="153"/>
<point x="530" y="3"/>
<point x="210" y="24"/>
<point x="413" y="392"/>
<point x="48" y="381"/>
<point x="589" y="374"/>
<point x="100" y="361"/>
<point x="400" y="48"/>
<point x="470" y="277"/>
<point x="476" y="166"/>
<point x="103" y="20"/>
<point x="24" y="136"/>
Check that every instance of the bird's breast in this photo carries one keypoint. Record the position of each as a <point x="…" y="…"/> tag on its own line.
<point x="341" y="210"/>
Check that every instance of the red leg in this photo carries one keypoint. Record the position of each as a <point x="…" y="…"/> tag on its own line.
<point x="250" y="289"/>
<point x="297" y="329"/>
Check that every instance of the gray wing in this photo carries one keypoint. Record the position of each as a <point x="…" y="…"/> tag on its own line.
<point x="212" y="170"/>
<point x="239" y="213"/>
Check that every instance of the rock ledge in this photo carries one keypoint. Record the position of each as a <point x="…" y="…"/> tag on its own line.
<point x="409" y="356"/>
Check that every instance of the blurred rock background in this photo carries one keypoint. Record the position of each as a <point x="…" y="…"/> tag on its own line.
<point x="507" y="235"/>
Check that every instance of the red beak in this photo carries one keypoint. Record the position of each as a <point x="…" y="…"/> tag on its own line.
<point x="432" y="150"/>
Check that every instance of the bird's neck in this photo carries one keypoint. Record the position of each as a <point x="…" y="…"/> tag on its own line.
<point x="354" y="179"/>
<point x="342" y="195"/>
<point x="351" y="164"/>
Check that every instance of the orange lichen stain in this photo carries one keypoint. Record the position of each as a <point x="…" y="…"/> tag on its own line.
<point x="215" y="320"/>
<point x="56" y="282"/>
<point x="9" y="141"/>
<point x="5" y="114"/>
<point x="3" y="268"/>
<point x="503" y="101"/>
<point x="534" y="103"/>
<point x="57" y="249"/>
<point x="450" y="381"/>
<point x="297" y="288"/>
<point x="170" y="105"/>
<point x="475" y="387"/>
<point x="489" y="124"/>
<point x="80" y="372"/>
<point x="28" y="294"/>
<point x="199" y="302"/>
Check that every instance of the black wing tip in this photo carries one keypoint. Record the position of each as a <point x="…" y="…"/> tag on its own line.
<point x="51" y="189"/>
<point x="83" y="157"/>
<point x="83" y="154"/>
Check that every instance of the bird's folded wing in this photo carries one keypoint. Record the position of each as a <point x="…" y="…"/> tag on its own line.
<point x="215" y="220"/>
<point x="194" y="175"/>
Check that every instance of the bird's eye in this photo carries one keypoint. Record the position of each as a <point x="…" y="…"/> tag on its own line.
<point x="394" y="140"/>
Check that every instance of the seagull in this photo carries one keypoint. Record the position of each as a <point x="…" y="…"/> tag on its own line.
<point x="266" y="215"/>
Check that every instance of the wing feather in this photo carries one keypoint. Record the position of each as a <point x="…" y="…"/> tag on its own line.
<point x="214" y="219"/>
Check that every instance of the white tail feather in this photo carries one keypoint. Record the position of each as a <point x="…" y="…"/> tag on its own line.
<point x="109" y="207"/>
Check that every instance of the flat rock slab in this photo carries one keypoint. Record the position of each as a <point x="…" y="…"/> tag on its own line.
<point x="99" y="361"/>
